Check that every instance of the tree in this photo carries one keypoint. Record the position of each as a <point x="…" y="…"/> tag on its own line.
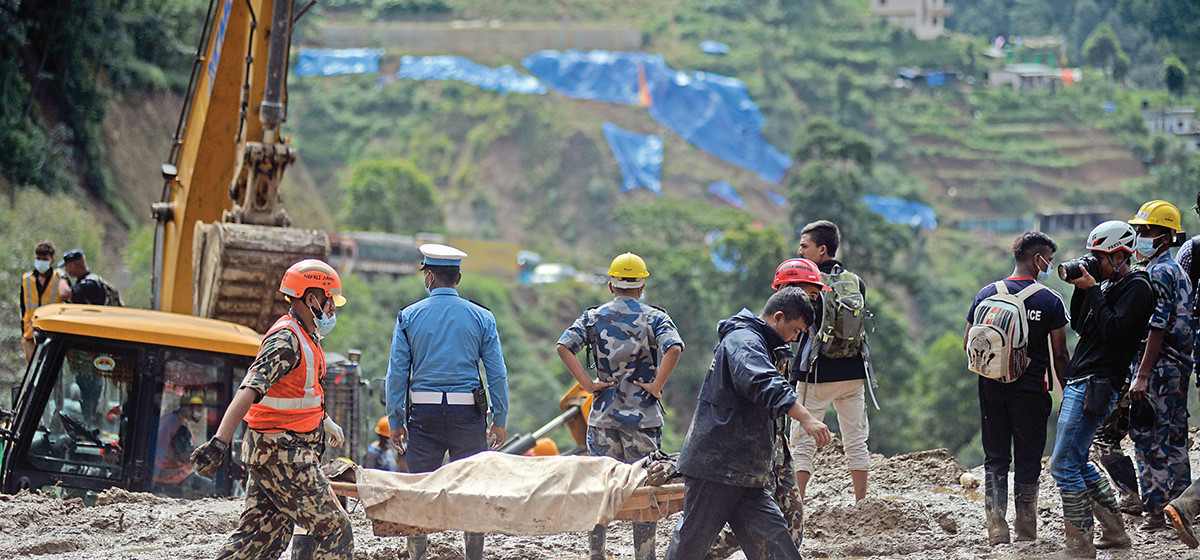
<point x="1174" y="75"/>
<point x="1102" y="49"/>
<point x="391" y="195"/>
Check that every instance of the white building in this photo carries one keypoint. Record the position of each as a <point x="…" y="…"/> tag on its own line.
<point x="925" y="18"/>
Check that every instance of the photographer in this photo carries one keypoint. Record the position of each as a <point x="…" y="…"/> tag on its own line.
<point x="1111" y="320"/>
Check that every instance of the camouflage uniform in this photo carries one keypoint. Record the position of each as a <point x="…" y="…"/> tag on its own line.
<point x="627" y="337"/>
<point x="287" y="487"/>
<point x="783" y="473"/>
<point x="1158" y="423"/>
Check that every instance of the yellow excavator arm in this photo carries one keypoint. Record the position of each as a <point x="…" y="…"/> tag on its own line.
<point x="223" y="239"/>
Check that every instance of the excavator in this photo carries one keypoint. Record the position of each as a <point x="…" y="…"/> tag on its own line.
<point x="114" y="397"/>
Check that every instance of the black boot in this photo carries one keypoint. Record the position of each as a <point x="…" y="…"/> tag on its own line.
<point x="643" y="540"/>
<point x="1025" y="499"/>
<point x="1182" y="511"/>
<point x="1120" y="468"/>
<point x="1077" y="524"/>
<point x="473" y="543"/>
<point x="417" y="546"/>
<point x="596" y="542"/>
<point x="1108" y="513"/>
<point x="995" y="506"/>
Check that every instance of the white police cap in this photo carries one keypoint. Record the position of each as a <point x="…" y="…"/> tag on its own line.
<point x="437" y="254"/>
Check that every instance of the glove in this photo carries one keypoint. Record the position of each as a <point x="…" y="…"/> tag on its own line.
<point x="334" y="431"/>
<point x="660" y="468"/>
<point x="207" y="458"/>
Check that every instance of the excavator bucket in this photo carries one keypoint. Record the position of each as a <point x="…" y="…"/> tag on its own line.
<point x="238" y="268"/>
<point x="576" y="396"/>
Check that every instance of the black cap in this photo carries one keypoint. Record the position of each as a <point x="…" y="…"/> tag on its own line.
<point x="72" y="256"/>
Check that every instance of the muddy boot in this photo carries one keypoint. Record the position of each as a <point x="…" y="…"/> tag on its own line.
<point x="417" y="546"/>
<point x="596" y="542"/>
<point x="473" y="542"/>
<point x="995" y="506"/>
<point x="1108" y="513"/>
<point x="1155" y="520"/>
<point x="1077" y="524"/>
<point x="1025" y="500"/>
<point x="1132" y="504"/>
<point x="1182" y="511"/>
<point x="302" y="546"/>
<point x="643" y="539"/>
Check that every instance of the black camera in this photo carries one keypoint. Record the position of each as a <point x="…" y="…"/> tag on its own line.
<point x="1071" y="270"/>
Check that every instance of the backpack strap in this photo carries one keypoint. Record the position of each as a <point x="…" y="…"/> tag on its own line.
<point x="1030" y="290"/>
<point x="1001" y="287"/>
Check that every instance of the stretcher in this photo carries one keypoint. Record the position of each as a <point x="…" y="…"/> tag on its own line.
<point x="648" y="503"/>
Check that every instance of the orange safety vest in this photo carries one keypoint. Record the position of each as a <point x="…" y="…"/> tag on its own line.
<point x="296" y="402"/>
<point x="34" y="300"/>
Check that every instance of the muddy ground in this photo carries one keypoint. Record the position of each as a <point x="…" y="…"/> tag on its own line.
<point x="918" y="509"/>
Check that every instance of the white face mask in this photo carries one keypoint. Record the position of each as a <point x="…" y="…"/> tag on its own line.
<point x="41" y="266"/>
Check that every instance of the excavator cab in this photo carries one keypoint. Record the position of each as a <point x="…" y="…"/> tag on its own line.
<point x="118" y="397"/>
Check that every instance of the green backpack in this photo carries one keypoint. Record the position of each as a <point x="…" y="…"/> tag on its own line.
<point x="843" y="314"/>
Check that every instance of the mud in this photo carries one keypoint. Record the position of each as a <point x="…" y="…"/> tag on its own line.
<point x="917" y="510"/>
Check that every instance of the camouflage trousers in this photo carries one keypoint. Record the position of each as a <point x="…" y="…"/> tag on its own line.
<point x="1158" y="426"/>
<point x="281" y="496"/>
<point x="786" y="494"/>
<point x="627" y="446"/>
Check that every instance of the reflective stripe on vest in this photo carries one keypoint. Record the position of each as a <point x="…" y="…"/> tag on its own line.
<point x="288" y="405"/>
<point x="34" y="300"/>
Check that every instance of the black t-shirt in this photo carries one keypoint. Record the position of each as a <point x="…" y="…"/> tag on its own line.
<point x="1045" y="312"/>
<point x="89" y="290"/>
<point x="1111" y="323"/>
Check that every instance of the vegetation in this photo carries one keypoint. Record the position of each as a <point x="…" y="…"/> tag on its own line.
<point x="396" y="185"/>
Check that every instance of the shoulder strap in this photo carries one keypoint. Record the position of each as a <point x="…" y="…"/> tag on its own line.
<point x="1030" y="290"/>
<point x="1001" y="287"/>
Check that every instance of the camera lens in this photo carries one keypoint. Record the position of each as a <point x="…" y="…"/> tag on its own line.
<point x="1069" y="270"/>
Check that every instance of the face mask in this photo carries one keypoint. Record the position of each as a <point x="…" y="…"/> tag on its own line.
<point x="1043" y="275"/>
<point x="1145" y="246"/>
<point x="41" y="266"/>
<point x="324" y="323"/>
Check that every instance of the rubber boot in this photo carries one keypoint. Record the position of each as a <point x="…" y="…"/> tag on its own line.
<point x="1182" y="511"/>
<point x="1155" y="520"/>
<point x="995" y="506"/>
<point x="417" y="546"/>
<point x="1025" y="499"/>
<point x="596" y="542"/>
<point x="1108" y="514"/>
<point x="1077" y="524"/>
<point x="473" y="542"/>
<point x="302" y="546"/>
<point x="643" y="539"/>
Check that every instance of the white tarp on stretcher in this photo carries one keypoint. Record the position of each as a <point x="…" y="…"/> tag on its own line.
<point x="500" y="493"/>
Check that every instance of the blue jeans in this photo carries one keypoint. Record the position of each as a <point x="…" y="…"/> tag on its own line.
<point x="1069" y="465"/>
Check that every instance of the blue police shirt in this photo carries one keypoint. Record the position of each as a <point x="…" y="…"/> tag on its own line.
<point x="441" y="340"/>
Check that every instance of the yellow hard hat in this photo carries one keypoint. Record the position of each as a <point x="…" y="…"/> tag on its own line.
<point x="628" y="265"/>
<point x="196" y="400"/>
<point x="382" y="428"/>
<point x="1158" y="213"/>
<point x="545" y="447"/>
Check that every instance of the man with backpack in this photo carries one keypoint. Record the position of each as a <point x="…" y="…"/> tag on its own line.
<point x="1158" y="415"/>
<point x="89" y="287"/>
<point x="1016" y="331"/>
<point x="836" y="369"/>
<point x="624" y="339"/>
<point x="1110" y="308"/>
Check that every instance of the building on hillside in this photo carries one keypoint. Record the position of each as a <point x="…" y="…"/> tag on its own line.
<point x="374" y="254"/>
<point x="1027" y="76"/>
<point x="925" y="18"/>
<point x="1073" y="219"/>
<point x="1174" y="122"/>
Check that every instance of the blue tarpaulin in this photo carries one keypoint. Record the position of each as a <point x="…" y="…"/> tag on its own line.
<point x="715" y="113"/>
<point x="639" y="155"/>
<point x="714" y="48"/>
<point x="333" y="62"/>
<point x="724" y="258"/>
<point x="900" y="211"/>
<point x="724" y="191"/>
<point x="503" y="79"/>
<point x="775" y="197"/>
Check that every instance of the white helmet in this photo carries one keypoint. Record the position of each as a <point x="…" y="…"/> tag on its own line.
<point x="1112" y="236"/>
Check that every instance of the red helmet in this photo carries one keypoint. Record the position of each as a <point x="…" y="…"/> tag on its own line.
<point x="798" y="270"/>
<point x="312" y="273"/>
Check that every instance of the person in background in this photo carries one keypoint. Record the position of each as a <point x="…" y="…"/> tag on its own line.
<point x="380" y="454"/>
<point x="41" y="286"/>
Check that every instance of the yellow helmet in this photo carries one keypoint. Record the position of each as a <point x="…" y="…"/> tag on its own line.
<point x="196" y="400"/>
<point x="628" y="265"/>
<point x="1158" y="213"/>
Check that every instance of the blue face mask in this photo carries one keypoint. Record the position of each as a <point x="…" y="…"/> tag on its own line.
<point x="1145" y="246"/>
<point x="41" y="266"/>
<point x="325" y="323"/>
<point x="1044" y="275"/>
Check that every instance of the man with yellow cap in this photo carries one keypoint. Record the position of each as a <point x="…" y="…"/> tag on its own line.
<point x="437" y="347"/>
<point x="625" y="338"/>
<point x="1158" y="416"/>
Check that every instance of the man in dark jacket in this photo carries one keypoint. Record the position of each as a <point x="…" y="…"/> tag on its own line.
<point x="727" y="455"/>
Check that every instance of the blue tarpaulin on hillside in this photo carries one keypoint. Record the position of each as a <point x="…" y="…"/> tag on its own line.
<point x="775" y="197"/>
<point x="724" y="191"/>
<point x="639" y="155"/>
<point x="714" y="48"/>
<point x="503" y="79"/>
<point x="900" y="211"/>
<point x="713" y="112"/>
<point x="333" y="62"/>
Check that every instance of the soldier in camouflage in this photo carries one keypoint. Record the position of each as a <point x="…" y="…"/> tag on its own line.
<point x="624" y="337"/>
<point x="282" y="402"/>
<point x="1158" y="413"/>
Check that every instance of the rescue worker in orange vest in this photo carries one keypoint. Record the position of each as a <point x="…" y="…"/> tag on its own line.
<point x="283" y="404"/>
<point x="41" y="286"/>
<point x="173" y="474"/>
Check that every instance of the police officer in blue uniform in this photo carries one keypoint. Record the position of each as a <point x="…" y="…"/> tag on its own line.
<point x="436" y="350"/>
